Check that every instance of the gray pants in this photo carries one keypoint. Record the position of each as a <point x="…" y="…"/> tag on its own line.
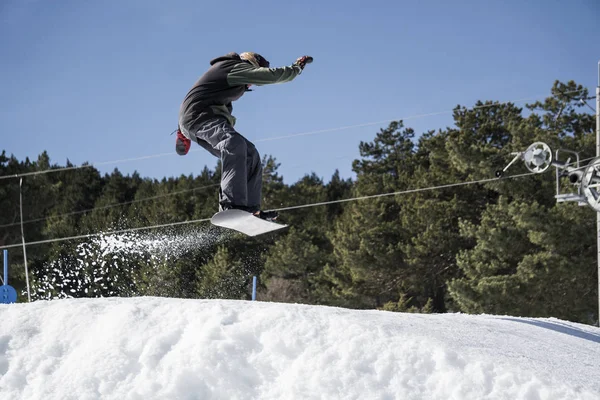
<point x="241" y="168"/>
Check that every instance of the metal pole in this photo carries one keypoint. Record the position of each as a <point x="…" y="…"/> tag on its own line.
<point x="8" y="294"/>
<point x="253" y="288"/>
<point x="23" y="239"/>
<point x="5" y="267"/>
<point x="598" y="155"/>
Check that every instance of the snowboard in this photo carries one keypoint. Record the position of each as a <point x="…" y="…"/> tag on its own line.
<point x="244" y="222"/>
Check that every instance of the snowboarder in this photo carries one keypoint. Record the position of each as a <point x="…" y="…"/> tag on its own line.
<point x="205" y="117"/>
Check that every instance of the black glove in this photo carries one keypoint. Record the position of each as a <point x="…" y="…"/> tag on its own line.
<point x="302" y="61"/>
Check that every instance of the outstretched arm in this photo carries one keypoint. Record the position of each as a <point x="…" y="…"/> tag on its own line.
<point x="247" y="74"/>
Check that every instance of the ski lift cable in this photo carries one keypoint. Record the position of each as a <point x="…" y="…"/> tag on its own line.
<point x="427" y="189"/>
<point x="495" y="104"/>
<point x="115" y="232"/>
<point x="112" y="205"/>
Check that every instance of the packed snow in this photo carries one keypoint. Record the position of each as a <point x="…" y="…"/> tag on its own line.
<point x="160" y="348"/>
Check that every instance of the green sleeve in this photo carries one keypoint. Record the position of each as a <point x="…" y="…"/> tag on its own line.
<point x="247" y="74"/>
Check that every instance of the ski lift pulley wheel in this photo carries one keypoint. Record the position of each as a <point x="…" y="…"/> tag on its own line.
<point x="538" y="157"/>
<point x="590" y="184"/>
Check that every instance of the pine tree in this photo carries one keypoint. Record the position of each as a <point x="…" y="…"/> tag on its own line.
<point x="292" y="269"/>
<point x="529" y="261"/>
<point x="368" y="239"/>
<point x="223" y="277"/>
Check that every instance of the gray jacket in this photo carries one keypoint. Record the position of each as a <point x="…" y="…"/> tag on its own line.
<point x="225" y="81"/>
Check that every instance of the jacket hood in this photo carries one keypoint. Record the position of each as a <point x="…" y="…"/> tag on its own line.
<point x="228" y="56"/>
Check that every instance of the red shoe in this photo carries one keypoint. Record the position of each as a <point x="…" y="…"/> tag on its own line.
<point x="182" y="144"/>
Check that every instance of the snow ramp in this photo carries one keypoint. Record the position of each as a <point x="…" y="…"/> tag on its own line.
<point x="159" y="348"/>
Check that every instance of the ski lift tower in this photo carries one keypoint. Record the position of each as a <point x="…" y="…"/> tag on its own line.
<point x="538" y="158"/>
<point x="598" y="155"/>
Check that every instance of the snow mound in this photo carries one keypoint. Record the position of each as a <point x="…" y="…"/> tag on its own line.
<point x="157" y="348"/>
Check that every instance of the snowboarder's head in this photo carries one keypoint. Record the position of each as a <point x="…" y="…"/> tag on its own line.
<point x="255" y="59"/>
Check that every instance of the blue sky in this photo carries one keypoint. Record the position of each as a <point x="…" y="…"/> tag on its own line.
<point x="103" y="81"/>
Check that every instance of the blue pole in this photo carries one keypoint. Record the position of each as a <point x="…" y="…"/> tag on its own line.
<point x="8" y="294"/>
<point x="253" y="287"/>
<point x="6" y="267"/>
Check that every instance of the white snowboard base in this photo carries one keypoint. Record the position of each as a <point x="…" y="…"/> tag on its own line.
<point x="244" y="222"/>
